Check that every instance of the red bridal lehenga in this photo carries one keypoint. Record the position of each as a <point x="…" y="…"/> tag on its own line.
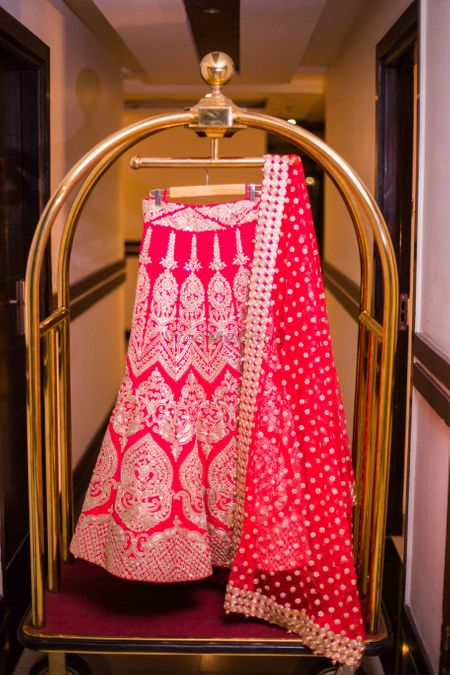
<point x="227" y="445"/>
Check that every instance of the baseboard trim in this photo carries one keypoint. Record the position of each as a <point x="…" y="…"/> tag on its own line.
<point x="415" y="647"/>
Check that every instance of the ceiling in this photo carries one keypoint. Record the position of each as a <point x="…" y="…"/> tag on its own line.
<point x="283" y="48"/>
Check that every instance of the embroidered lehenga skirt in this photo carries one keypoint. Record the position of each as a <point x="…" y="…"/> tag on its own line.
<point x="160" y="503"/>
<point x="227" y="444"/>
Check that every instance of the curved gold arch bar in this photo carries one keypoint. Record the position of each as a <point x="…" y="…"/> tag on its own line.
<point x="92" y="166"/>
<point x="63" y="300"/>
<point x="66" y="245"/>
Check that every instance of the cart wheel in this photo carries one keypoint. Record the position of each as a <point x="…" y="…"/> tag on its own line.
<point x="75" y="665"/>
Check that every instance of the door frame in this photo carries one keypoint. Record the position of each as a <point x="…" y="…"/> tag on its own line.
<point x="396" y="174"/>
<point x="16" y="39"/>
<point x="407" y="653"/>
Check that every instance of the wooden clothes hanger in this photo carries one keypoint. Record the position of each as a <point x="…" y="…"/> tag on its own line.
<point x="205" y="190"/>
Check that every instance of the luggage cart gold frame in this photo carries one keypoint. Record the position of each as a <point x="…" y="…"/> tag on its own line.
<point x="48" y="365"/>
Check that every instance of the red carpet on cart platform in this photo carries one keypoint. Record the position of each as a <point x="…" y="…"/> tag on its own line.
<point x="93" y="603"/>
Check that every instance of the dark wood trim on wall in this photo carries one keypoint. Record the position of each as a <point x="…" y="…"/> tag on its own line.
<point x="92" y="288"/>
<point x="346" y="292"/>
<point x="132" y="247"/>
<point x="432" y="358"/>
<point x="87" y="283"/>
<point x="99" y="292"/>
<point x="433" y="393"/>
<point x="402" y="33"/>
<point x="25" y="40"/>
<point x="431" y="375"/>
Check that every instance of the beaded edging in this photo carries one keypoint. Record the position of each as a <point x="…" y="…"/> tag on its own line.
<point x="335" y="646"/>
<point x="273" y="195"/>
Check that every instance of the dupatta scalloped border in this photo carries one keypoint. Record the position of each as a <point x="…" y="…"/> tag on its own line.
<point x="334" y="646"/>
<point x="270" y="215"/>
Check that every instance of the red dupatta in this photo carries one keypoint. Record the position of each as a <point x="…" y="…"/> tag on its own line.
<point x="292" y="529"/>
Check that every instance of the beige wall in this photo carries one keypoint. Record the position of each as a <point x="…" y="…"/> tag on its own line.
<point x="85" y="105"/>
<point x="344" y="336"/>
<point x="350" y="130"/>
<point x="99" y="362"/>
<point x="179" y="142"/>
<point x="430" y="437"/>
<point x="433" y="317"/>
<point x="350" y="121"/>
<point x="427" y="523"/>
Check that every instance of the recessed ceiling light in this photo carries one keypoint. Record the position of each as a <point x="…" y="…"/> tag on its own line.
<point x="212" y="10"/>
<point x="292" y="121"/>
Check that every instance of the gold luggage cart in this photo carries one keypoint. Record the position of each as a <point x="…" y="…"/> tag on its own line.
<point x="64" y="589"/>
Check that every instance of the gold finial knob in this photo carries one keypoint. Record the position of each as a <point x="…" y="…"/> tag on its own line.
<point x="217" y="68"/>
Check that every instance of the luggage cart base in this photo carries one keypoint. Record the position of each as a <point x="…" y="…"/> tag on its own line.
<point x="95" y="612"/>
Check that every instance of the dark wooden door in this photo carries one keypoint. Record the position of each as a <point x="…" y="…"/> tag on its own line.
<point x="396" y="127"/>
<point x="23" y="189"/>
<point x="397" y="123"/>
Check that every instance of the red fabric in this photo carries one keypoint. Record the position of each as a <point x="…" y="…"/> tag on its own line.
<point x="227" y="445"/>
<point x="95" y="603"/>
<point x="293" y="562"/>
<point x="160" y="503"/>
